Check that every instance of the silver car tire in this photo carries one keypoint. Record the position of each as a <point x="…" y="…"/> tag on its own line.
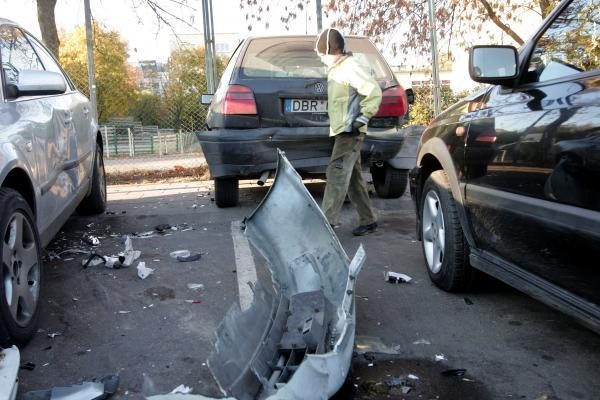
<point x="21" y="270"/>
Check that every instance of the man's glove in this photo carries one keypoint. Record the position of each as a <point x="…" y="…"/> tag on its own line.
<point x="359" y="122"/>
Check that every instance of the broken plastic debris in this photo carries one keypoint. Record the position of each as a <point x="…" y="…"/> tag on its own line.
<point x="95" y="389"/>
<point x="191" y="257"/>
<point x="145" y="235"/>
<point x="54" y="334"/>
<point x="454" y="372"/>
<point x="181" y="389"/>
<point x="422" y="341"/>
<point x="440" y="357"/>
<point x="180" y="253"/>
<point x="193" y="301"/>
<point x="143" y="271"/>
<point x="130" y="254"/>
<point x="195" y="286"/>
<point x="90" y="240"/>
<point x="124" y="312"/>
<point x="395" y="277"/>
<point x="162" y="227"/>
<point x="413" y="377"/>
<point x="29" y="366"/>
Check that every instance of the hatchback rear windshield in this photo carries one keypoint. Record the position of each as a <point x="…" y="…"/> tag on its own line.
<point x="294" y="57"/>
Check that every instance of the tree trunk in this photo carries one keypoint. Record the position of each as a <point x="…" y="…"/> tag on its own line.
<point x="499" y="24"/>
<point x="47" y="22"/>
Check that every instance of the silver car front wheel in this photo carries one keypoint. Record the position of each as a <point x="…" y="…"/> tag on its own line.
<point x="434" y="236"/>
<point x="20" y="270"/>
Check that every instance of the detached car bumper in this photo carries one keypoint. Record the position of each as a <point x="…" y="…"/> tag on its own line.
<point x="249" y="152"/>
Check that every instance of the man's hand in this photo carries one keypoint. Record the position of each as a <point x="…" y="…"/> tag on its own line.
<point x="359" y="122"/>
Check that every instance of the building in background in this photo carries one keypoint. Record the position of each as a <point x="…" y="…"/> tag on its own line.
<point x="225" y="43"/>
<point x="152" y="76"/>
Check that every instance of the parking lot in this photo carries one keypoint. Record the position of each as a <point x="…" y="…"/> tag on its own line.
<point x="157" y="333"/>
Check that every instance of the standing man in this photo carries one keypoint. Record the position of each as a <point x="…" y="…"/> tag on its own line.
<point x="353" y="98"/>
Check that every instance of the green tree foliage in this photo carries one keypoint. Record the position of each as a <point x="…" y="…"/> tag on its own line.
<point x="149" y="109"/>
<point x="115" y="80"/>
<point x="421" y="112"/>
<point x="186" y="83"/>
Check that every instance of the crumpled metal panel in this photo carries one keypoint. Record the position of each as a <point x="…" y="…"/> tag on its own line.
<point x="305" y="258"/>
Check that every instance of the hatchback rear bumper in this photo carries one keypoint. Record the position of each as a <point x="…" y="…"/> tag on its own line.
<point x="248" y="152"/>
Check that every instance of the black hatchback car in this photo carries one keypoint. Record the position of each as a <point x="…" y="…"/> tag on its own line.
<point x="508" y="180"/>
<point x="273" y="94"/>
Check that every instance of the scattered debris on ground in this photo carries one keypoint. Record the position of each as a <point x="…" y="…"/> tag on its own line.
<point x="54" y="334"/>
<point x="161" y="292"/>
<point x="395" y="277"/>
<point x="181" y="389"/>
<point x="195" y="286"/>
<point x="440" y="357"/>
<point x="90" y="240"/>
<point x="95" y="389"/>
<point x="422" y="341"/>
<point x="143" y="271"/>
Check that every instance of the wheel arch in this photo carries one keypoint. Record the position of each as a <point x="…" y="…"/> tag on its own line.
<point x="18" y="180"/>
<point x="433" y="156"/>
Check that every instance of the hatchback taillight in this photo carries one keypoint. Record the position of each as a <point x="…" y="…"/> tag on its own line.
<point x="393" y="103"/>
<point x="238" y="100"/>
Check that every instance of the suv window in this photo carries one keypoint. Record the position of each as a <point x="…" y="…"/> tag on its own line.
<point x="570" y="45"/>
<point x="16" y="53"/>
<point x="296" y="58"/>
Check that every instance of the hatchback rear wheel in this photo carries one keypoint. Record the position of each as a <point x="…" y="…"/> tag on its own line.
<point x="445" y="248"/>
<point x="20" y="270"/>
<point x="226" y="192"/>
<point x="389" y="182"/>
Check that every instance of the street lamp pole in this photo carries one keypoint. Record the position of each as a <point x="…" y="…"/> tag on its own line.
<point x="209" y="46"/>
<point x="437" y="107"/>
<point x="319" y="17"/>
<point x="89" y="39"/>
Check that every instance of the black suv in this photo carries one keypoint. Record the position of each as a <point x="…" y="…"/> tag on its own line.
<point x="508" y="180"/>
<point x="273" y="94"/>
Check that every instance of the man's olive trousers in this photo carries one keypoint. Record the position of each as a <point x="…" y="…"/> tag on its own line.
<point x="344" y="176"/>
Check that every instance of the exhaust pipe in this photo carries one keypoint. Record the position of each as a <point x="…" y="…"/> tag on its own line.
<point x="263" y="178"/>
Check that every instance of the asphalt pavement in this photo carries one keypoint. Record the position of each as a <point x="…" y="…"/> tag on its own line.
<point x="157" y="333"/>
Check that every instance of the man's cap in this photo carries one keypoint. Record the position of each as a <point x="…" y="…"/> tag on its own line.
<point x="331" y="41"/>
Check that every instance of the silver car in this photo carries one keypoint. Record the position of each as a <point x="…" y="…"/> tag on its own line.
<point x="50" y="165"/>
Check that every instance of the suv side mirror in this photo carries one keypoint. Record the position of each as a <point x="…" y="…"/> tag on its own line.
<point x="36" y="83"/>
<point x="497" y="65"/>
<point x="206" y="98"/>
<point x="410" y="95"/>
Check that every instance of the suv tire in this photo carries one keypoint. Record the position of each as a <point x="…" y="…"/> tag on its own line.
<point x="95" y="201"/>
<point x="445" y="248"/>
<point x="21" y="270"/>
<point x="226" y="192"/>
<point x="389" y="182"/>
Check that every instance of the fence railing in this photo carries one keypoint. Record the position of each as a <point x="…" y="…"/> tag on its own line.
<point x="138" y="140"/>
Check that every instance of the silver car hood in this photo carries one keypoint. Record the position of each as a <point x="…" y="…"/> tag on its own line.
<point x="295" y="342"/>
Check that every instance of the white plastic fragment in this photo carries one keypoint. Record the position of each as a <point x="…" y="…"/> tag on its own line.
<point x="109" y="262"/>
<point x="395" y="277"/>
<point x="181" y="389"/>
<point x="195" y="286"/>
<point x="422" y="341"/>
<point x="91" y="240"/>
<point x="413" y="377"/>
<point x="54" y="334"/>
<point x="180" y="253"/>
<point x="440" y="357"/>
<point x="130" y="254"/>
<point x="143" y="271"/>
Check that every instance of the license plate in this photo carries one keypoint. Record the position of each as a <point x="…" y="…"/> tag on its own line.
<point x="304" y="106"/>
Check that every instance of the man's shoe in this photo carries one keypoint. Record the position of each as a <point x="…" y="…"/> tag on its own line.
<point x="365" y="229"/>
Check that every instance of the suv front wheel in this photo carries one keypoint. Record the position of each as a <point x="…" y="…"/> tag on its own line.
<point x="444" y="246"/>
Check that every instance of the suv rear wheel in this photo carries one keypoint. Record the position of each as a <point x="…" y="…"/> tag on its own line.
<point x="20" y="270"/>
<point x="444" y="245"/>
<point x="389" y="182"/>
<point x="226" y="192"/>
